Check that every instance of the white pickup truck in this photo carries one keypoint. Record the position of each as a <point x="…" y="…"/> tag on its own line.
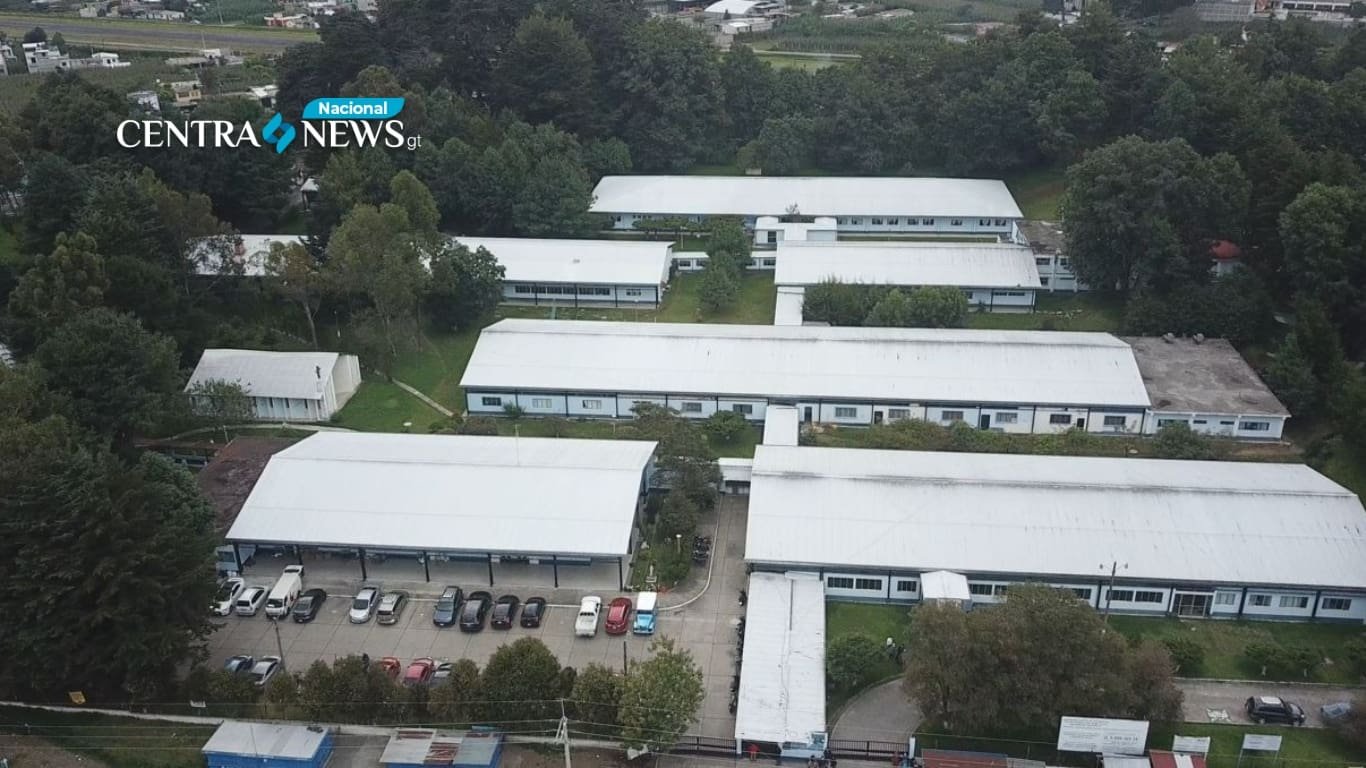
<point x="586" y="624"/>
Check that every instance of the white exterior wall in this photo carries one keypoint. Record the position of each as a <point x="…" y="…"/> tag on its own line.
<point x="1015" y="300"/>
<point x="1014" y="421"/>
<point x="707" y="406"/>
<point x="581" y="405"/>
<point x="904" y="594"/>
<point x="935" y="413"/>
<point x="1133" y="423"/>
<point x="863" y="413"/>
<point x="1219" y="424"/>
<point x="626" y="403"/>
<point x="884" y="410"/>
<point x="1134" y="605"/>
<point x="1276" y="609"/>
<point x="345" y="381"/>
<point x="1043" y="419"/>
<point x="477" y="402"/>
<point x="542" y="404"/>
<point x="864" y="593"/>
<point x="757" y="407"/>
<point x="1355" y="612"/>
<point x="1055" y="272"/>
<point x="567" y="294"/>
<point x="690" y="261"/>
<point x="287" y="409"/>
<point x="1227" y="609"/>
<point x="860" y="224"/>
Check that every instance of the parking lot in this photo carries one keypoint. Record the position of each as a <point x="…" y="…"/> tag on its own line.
<point x="704" y="625"/>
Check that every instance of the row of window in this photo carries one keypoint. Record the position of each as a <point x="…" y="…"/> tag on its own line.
<point x="1043" y="261"/>
<point x="896" y="222"/>
<point x="850" y="582"/>
<point x="1134" y="596"/>
<point x="1246" y="426"/>
<point x="562" y="290"/>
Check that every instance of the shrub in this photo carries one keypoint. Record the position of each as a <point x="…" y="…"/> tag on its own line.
<point x="725" y="426"/>
<point x="1281" y="661"/>
<point x="1187" y="653"/>
<point x="513" y="411"/>
<point x="852" y="659"/>
<point x="1354" y="651"/>
<point x="478" y="425"/>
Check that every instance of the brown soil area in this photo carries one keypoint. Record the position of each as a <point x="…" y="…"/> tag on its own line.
<point x="33" y="752"/>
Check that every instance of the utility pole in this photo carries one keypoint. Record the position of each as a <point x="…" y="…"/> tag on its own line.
<point x="1110" y="587"/>
<point x="279" y="646"/>
<point x="562" y="735"/>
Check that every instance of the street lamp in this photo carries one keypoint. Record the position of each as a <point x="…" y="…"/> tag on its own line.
<point x="678" y="542"/>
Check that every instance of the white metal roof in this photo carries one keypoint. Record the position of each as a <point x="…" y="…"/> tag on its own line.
<point x="782" y="682"/>
<point x="449" y="492"/>
<point x="623" y="262"/>
<point x="1196" y="521"/>
<point x="294" y="742"/>
<point x="301" y="375"/>
<point x="896" y="364"/>
<point x="966" y="265"/>
<point x="812" y="195"/>
<point x="733" y="7"/>
<point x="781" y="425"/>
<point x="787" y="309"/>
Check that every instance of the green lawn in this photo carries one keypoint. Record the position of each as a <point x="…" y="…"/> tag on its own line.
<point x="1347" y="468"/>
<point x="118" y="742"/>
<point x="875" y="620"/>
<point x="1038" y="191"/>
<point x="1224" y="642"/>
<point x="436" y="366"/>
<point x="809" y="63"/>
<point x="1058" y="312"/>
<point x="379" y="406"/>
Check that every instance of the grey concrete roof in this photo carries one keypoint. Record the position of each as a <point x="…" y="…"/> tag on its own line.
<point x="1043" y="236"/>
<point x="1201" y="377"/>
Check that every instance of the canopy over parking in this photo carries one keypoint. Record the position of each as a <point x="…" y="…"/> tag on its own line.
<point x="450" y="493"/>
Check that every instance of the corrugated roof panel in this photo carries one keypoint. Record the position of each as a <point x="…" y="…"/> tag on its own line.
<point x="782" y="682"/>
<point x="298" y="375"/>
<point x="624" y="262"/>
<point x="965" y="265"/>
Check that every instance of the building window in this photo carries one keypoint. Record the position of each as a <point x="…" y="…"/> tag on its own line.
<point x="999" y="590"/>
<point x="982" y="222"/>
<point x="1260" y="601"/>
<point x="1059" y="418"/>
<point x="494" y="402"/>
<point x="744" y="408"/>
<point x="1225" y="598"/>
<point x="685" y="262"/>
<point x="1000" y="222"/>
<point x="912" y="222"/>
<point x="909" y="585"/>
<point x="1082" y="593"/>
<point x="856" y="222"/>
<point x="952" y="416"/>
<point x="1008" y="293"/>
<point x="1115" y="421"/>
<point x="897" y="414"/>
<point x="1225" y="423"/>
<point x="770" y="262"/>
<point x="1294" y="601"/>
<point x="521" y="288"/>
<point x="877" y="222"/>
<point x="1148" y="597"/>
<point x="1255" y="426"/>
<point x="541" y="402"/>
<point x="980" y="589"/>
<point x="956" y="222"/>
<point x="1121" y="595"/>
<point x="868" y="584"/>
<point x="1064" y="262"/>
<point x="895" y="223"/>
<point x="692" y="407"/>
<point x="843" y="412"/>
<point x="591" y="405"/>
<point x="1042" y="261"/>
<point x="1199" y="421"/>
<point x="1006" y="418"/>
<point x="839" y="582"/>
<point x="1043" y="281"/>
<point x="631" y="292"/>
<point x="1167" y="422"/>
<point x="1335" y="603"/>
<point x="927" y="222"/>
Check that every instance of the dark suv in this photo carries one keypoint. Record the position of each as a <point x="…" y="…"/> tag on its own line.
<point x="447" y="607"/>
<point x="1273" y="709"/>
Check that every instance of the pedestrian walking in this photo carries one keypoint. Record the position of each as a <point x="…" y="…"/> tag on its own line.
<point x="753" y="751"/>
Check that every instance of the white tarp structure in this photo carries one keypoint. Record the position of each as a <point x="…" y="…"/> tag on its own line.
<point x="945" y="586"/>
<point x="781" y="425"/>
<point x="782" y="678"/>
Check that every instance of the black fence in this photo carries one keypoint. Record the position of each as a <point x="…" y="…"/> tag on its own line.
<point x="705" y="745"/>
<point x="858" y="749"/>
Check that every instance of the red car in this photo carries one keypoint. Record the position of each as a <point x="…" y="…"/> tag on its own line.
<point x="618" y="616"/>
<point x="420" y="671"/>
<point x="391" y="667"/>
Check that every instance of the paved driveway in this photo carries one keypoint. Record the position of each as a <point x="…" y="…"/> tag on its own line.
<point x="702" y="624"/>
<point x="1209" y="700"/>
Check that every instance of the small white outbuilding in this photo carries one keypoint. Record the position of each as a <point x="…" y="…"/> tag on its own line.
<point x="283" y="386"/>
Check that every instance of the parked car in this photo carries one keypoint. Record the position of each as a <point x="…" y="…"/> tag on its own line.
<point x="238" y="665"/>
<point x="447" y="607"/>
<point x="391" y="666"/>
<point x="476" y="609"/>
<point x="586" y="623"/>
<point x="307" y="606"/>
<point x="504" y="611"/>
<point x="226" y="598"/>
<point x="1273" y="709"/>
<point x="645" y="613"/>
<point x="363" y="605"/>
<point x="442" y="675"/>
<point x="1335" y="712"/>
<point x="264" y="670"/>
<point x="250" y="601"/>
<point x="391" y="607"/>
<point x="533" y="612"/>
<point x="618" y="616"/>
<point x="419" y="671"/>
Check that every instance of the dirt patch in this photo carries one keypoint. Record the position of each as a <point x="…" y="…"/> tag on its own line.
<point x="33" y="752"/>
<point x="522" y="756"/>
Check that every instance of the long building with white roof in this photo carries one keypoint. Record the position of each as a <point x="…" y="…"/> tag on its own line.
<point x="282" y="386"/>
<point x="1019" y="381"/>
<point x="993" y="276"/>
<point x="579" y="272"/>
<point x="868" y="205"/>
<point x="781" y="700"/>
<point x="1183" y="538"/>
<point x="453" y="498"/>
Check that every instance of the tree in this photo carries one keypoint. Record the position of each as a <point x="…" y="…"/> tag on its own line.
<point x="837" y="303"/>
<point x="748" y="86"/>
<point x="546" y="76"/>
<point x="684" y="456"/>
<point x="595" y="699"/>
<point x="521" y="684"/>
<point x="784" y="145"/>
<point x="230" y="695"/>
<point x="1291" y="378"/>
<point x="294" y="272"/>
<point x="671" y="96"/>
<point x="1323" y="232"/>
<point x="221" y="403"/>
<point x="725" y="426"/>
<point x="416" y="200"/>
<point x="893" y="310"/>
<point x="36" y="35"/>
<point x="606" y="157"/>
<point x="376" y="253"/>
<point x="729" y="245"/>
<point x="678" y="516"/>
<point x="1142" y="215"/>
<point x="145" y="528"/>
<point x="454" y="701"/>
<point x="73" y="117"/>
<point x="1022" y="665"/>
<point x="660" y="698"/>
<point x="53" y="196"/>
<point x="56" y="288"/>
<point x="118" y="376"/>
<point x="1178" y="441"/>
<point x="465" y="286"/>
<point x="554" y="199"/>
<point x="851" y="660"/>
<point x="719" y="287"/>
<point x="936" y="307"/>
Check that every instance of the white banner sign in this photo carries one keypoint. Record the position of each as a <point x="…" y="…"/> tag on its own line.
<point x="1262" y="743"/>
<point x="1098" y="734"/>
<point x="1191" y="745"/>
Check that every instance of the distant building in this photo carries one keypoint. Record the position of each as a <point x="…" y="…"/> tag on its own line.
<point x="148" y="100"/>
<point x="1045" y="238"/>
<point x="579" y="272"/>
<point x="419" y="747"/>
<point x="268" y="745"/>
<point x="39" y="58"/>
<point x="283" y="386"/>
<point x="295" y="21"/>
<point x="187" y="93"/>
<point x="165" y="15"/>
<point x="1206" y="385"/>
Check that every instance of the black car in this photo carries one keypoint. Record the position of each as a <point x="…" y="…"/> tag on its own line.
<point x="447" y="607"/>
<point x="476" y="609"/>
<point x="307" y="606"/>
<point x="504" y="611"/>
<point x="1273" y="709"/>
<point x="533" y="612"/>
<point x="239" y="665"/>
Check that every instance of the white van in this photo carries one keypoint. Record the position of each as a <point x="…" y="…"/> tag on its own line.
<point x="285" y="592"/>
